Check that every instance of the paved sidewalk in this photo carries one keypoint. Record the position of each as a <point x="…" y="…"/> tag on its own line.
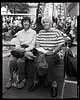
<point x="70" y="90"/>
<point x="23" y="93"/>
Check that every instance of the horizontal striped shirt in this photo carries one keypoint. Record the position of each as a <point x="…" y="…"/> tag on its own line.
<point x="50" y="39"/>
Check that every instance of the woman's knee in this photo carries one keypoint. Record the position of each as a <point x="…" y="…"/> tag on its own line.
<point x="20" y="60"/>
<point x="13" y="60"/>
<point x="12" y="64"/>
<point x="20" y="63"/>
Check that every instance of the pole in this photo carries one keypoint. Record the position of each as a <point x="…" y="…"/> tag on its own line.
<point x="37" y="11"/>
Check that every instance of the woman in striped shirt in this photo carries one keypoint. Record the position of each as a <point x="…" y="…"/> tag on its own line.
<point x="50" y="41"/>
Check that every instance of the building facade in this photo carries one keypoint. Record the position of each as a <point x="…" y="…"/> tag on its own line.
<point x="72" y="9"/>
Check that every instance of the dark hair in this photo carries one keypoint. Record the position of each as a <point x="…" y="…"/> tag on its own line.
<point x="25" y="19"/>
<point x="54" y="20"/>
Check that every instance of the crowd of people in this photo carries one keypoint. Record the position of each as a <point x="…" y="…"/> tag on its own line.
<point x="40" y="49"/>
<point x="10" y="25"/>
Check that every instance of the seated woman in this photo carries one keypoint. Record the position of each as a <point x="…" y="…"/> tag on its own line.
<point x="49" y="42"/>
<point x="26" y="36"/>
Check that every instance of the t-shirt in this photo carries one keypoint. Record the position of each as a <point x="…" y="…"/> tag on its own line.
<point x="50" y="39"/>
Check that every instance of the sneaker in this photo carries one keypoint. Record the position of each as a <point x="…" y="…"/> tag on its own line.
<point x="9" y="84"/>
<point x="54" y="89"/>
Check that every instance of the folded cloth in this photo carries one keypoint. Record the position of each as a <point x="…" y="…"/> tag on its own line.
<point x="18" y="53"/>
<point x="29" y="55"/>
<point x="40" y="49"/>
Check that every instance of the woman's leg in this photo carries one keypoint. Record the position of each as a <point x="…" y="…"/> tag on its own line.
<point x="12" y="68"/>
<point x="55" y="73"/>
<point x="12" y="65"/>
<point x="21" y="68"/>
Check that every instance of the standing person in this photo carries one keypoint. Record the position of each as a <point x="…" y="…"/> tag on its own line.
<point x="50" y="41"/>
<point x="54" y="22"/>
<point x="73" y="31"/>
<point x="26" y="36"/>
<point x="61" y="23"/>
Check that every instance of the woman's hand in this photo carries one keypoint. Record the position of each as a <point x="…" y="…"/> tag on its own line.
<point x="49" y="53"/>
<point x="29" y="54"/>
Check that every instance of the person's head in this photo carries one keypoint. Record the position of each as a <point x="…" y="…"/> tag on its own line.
<point x="75" y="21"/>
<point x="74" y="17"/>
<point x="26" y="22"/>
<point x="33" y="26"/>
<point x="68" y="21"/>
<point x="46" y="22"/>
<point x="61" y="21"/>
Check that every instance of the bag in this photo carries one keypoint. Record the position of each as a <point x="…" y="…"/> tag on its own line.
<point x="24" y="46"/>
<point x="41" y="64"/>
<point x="70" y="63"/>
<point x="17" y="53"/>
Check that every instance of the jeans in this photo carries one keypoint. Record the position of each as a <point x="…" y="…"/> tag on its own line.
<point x="55" y="68"/>
<point x="17" y="65"/>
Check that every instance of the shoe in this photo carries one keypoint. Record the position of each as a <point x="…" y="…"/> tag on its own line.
<point x="9" y="84"/>
<point x="54" y="90"/>
<point x="33" y="87"/>
<point x="20" y="85"/>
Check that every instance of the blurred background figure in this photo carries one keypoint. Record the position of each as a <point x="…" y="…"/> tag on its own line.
<point x="61" y="23"/>
<point x="54" y="22"/>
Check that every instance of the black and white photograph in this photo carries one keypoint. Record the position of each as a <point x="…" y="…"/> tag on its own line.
<point x="39" y="50"/>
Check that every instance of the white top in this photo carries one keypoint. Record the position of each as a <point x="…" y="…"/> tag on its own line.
<point x="25" y="37"/>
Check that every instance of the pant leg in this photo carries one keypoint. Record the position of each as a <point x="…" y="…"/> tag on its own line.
<point x="32" y="67"/>
<point x="21" y="68"/>
<point x="56" y="72"/>
<point x="30" y="72"/>
<point x="12" y="65"/>
<point x="55" y="68"/>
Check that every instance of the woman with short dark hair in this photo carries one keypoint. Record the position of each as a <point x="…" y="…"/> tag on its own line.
<point x="24" y="43"/>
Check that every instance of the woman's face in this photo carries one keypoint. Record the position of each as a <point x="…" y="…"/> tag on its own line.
<point x="46" y="24"/>
<point x="26" y="24"/>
